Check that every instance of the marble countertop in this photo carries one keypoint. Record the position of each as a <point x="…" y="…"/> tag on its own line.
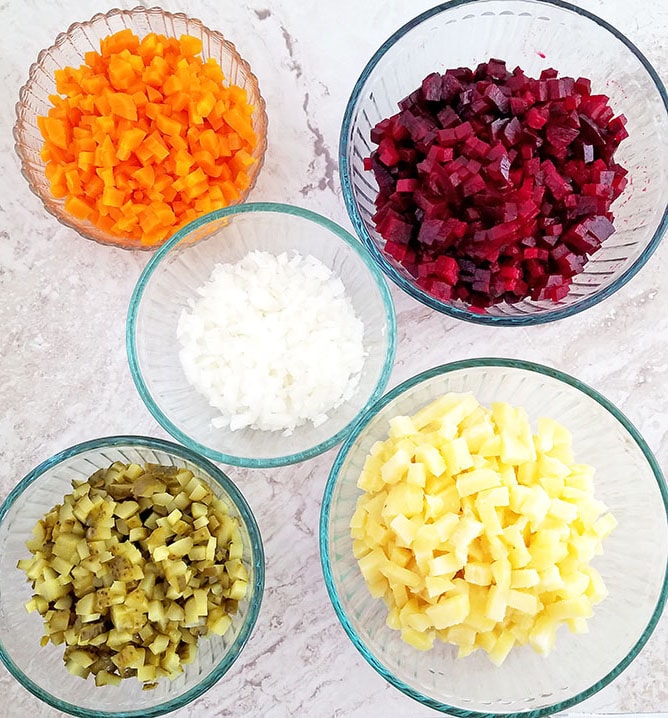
<point x="64" y="376"/>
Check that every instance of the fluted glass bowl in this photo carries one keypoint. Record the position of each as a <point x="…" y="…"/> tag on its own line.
<point x="634" y="563"/>
<point x="171" y="279"/>
<point x="41" y="670"/>
<point x="69" y="49"/>
<point x="534" y="34"/>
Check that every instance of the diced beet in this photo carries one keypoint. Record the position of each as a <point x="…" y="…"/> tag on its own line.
<point x="432" y="87"/>
<point x="536" y="117"/>
<point x="494" y="186"/>
<point x="408" y="185"/>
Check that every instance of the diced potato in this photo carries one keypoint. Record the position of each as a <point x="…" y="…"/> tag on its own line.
<point x="477" y="532"/>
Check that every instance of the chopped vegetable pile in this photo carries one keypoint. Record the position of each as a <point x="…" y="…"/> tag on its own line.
<point x="477" y="532"/>
<point x="132" y="568"/>
<point x="145" y="137"/>
<point x="494" y="186"/>
<point x="272" y="342"/>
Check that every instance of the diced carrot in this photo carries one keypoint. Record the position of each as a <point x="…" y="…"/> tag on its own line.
<point x="76" y="206"/>
<point x="190" y="45"/>
<point x="113" y="197"/>
<point x="123" y="105"/>
<point x="145" y="137"/>
<point x="128" y="142"/>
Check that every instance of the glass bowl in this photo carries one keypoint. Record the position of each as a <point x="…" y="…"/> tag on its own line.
<point x="41" y="670"/>
<point x="69" y="49"/>
<point x="171" y="279"/>
<point x="532" y="34"/>
<point x="634" y="563"/>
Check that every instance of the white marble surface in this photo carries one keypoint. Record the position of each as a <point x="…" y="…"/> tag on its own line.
<point x="64" y="376"/>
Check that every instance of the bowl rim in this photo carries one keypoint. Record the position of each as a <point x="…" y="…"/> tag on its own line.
<point x="64" y="217"/>
<point x="360" y="426"/>
<point x="215" y="474"/>
<point x="412" y="289"/>
<point x="248" y="208"/>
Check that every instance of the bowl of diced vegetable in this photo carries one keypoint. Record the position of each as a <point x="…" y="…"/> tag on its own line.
<point x="506" y="161"/>
<point x="494" y="539"/>
<point x="259" y="333"/>
<point x="134" y="123"/>
<point x="141" y="568"/>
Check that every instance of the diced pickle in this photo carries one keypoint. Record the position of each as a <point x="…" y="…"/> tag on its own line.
<point x="132" y="568"/>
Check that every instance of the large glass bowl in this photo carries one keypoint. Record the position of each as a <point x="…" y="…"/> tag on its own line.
<point x="41" y="670"/>
<point x="171" y="279"/>
<point x="534" y="34"/>
<point x="69" y="49"/>
<point x="634" y="563"/>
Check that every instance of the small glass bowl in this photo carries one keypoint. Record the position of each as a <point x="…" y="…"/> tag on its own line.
<point x="534" y="34"/>
<point x="171" y="279"/>
<point x="40" y="669"/>
<point x="634" y="563"/>
<point x="69" y="49"/>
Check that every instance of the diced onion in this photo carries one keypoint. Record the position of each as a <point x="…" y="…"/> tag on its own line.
<point x="272" y="342"/>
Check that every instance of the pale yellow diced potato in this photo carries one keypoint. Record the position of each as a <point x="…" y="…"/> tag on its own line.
<point x="404" y="529"/>
<point x="604" y="525"/>
<point x="472" y="482"/>
<point x="431" y="458"/>
<point x="446" y="564"/>
<point x="457" y="456"/>
<point x="436" y="586"/>
<point x="448" y="611"/>
<point x="405" y="499"/>
<point x="417" y="474"/>
<point x="396" y="467"/>
<point x="478" y="573"/>
<point x="477" y="532"/>
<point x="543" y="634"/>
<point x="502" y="647"/>
<point x="423" y="641"/>
<point x="524" y="578"/>
<point x="401" y="426"/>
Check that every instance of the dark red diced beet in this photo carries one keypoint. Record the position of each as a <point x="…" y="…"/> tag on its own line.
<point x="497" y="97"/>
<point x="447" y="269"/>
<point x="512" y="132"/>
<point x="473" y="185"/>
<point x="396" y="229"/>
<point x="432" y="87"/>
<point x="447" y="137"/>
<point x="536" y="117"/>
<point x="425" y="283"/>
<point x="410" y="100"/>
<point x="560" y="135"/>
<point x="512" y="176"/>
<point x="367" y="163"/>
<point x="548" y="73"/>
<point x="451" y="85"/>
<point x="387" y="152"/>
<point x="398" y="251"/>
<point x="431" y="230"/>
<point x="441" y="290"/>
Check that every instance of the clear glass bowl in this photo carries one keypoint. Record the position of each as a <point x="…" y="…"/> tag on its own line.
<point x="534" y="34"/>
<point x="69" y="49"/>
<point x="634" y="564"/>
<point x="171" y="279"/>
<point x="41" y="670"/>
